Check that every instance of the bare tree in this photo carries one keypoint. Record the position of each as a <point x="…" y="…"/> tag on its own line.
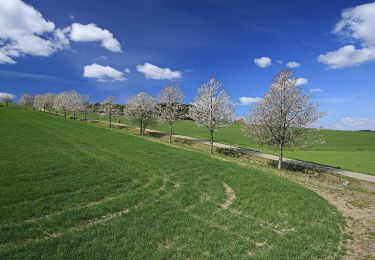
<point x="108" y="107"/>
<point x="6" y="98"/>
<point x="27" y="100"/>
<point x="169" y="107"/>
<point x="284" y="117"/>
<point x="141" y="110"/>
<point x="212" y="108"/>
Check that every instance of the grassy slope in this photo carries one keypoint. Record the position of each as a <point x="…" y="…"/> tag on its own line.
<point x="344" y="149"/>
<point x="58" y="176"/>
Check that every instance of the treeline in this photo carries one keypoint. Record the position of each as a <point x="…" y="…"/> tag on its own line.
<point x="284" y="117"/>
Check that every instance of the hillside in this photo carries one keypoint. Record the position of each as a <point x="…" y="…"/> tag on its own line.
<point x="70" y="190"/>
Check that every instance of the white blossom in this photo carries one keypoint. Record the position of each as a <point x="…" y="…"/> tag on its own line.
<point x="27" y="100"/>
<point x="108" y="107"/>
<point x="212" y="108"/>
<point x="284" y="117"/>
<point x="141" y="110"/>
<point x="169" y="107"/>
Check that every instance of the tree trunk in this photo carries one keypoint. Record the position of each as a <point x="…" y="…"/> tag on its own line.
<point x="170" y="133"/>
<point x="7" y="103"/>
<point x="140" y="128"/>
<point x="279" y="166"/>
<point x="26" y="107"/>
<point x="85" y="116"/>
<point x="110" y="121"/>
<point x="211" y="141"/>
<point x="74" y="115"/>
<point x="64" y="114"/>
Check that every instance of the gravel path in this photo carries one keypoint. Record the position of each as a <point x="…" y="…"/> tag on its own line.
<point x="314" y="166"/>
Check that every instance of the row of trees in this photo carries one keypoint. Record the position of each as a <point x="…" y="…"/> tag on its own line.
<point x="283" y="118"/>
<point x="65" y="101"/>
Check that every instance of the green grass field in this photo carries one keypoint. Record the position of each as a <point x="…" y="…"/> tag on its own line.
<point x="70" y="190"/>
<point x="348" y="150"/>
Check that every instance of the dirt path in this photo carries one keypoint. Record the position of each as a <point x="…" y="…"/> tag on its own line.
<point x="231" y="196"/>
<point x="357" y="204"/>
<point x="314" y="166"/>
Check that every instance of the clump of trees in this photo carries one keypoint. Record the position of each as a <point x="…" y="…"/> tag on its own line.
<point x="284" y="117"/>
<point x="212" y="108"/>
<point x="70" y="101"/>
<point x="141" y="110"/>
<point x="6" y="98"/>
<point x="44" y="102"/>
<point x="169" y="107"/>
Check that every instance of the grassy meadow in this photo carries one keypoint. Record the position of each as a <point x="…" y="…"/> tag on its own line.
<point x="70" y="190"/>
<point x="349" y="150"/>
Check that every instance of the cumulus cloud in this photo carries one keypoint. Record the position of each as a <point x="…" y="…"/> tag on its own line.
<point x="249" y="100"/>
<point x="359" y="122"/>
<point x="263" y="62"/>
<point x="154" y="72"/>
<point x="315" y="90"/>
<point x="24" y="31"/>
<point x="127" y="70"/>
<point x="6" y="95"/>
<point x="301" y="81"/>
<point x="92" y="33"/>
<point x="347" y="56"/>
<point x="356" y="24"/>
<point x="293" y="64"/>
<point x="102" y="73"/>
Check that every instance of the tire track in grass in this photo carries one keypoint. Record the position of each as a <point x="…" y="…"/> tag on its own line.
<point x="231" y="196"/>
<point x="103" y="218"/>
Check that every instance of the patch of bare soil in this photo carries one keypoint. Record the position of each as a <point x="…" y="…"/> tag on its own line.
<point x="356" y="201"/>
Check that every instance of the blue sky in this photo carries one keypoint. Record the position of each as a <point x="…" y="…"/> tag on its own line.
<point x="45" y="45"/>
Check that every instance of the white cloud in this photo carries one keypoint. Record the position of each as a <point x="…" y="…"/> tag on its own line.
<point x="357" y="24"/>
<point x="102" y="73"/>
<point x="301" y="81"/>
<point x="279" y="61"/>
<point x="154" y="72"/>
<point x="6" y="95"/>
<point x="127" y="70"/>
<point x="293" y="64"/>
<point x="360" y="122"/>
<point x="347" y="56"/>
<point x="249" y="100"/>
<point x="92" y="33"/>
<point x="5" y="59"/>
<point x="24" y="31"/>
<point x="315" y="90"/>
<point x="263" y="62"/>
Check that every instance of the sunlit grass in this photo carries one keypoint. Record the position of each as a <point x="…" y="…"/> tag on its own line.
<point x="70" y="190"/>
